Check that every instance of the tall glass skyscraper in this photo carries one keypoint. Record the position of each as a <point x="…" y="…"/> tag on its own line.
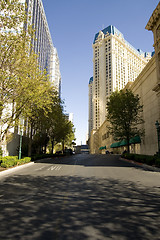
<point x="42" y="43"/>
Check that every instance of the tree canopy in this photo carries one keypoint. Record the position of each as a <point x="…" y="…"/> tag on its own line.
<point x="17" y="63"/>
<point x="124" y="112"/>
<point x="26" y="91"/>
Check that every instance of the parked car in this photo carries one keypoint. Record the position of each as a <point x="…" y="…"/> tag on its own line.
<point x="68" y="151"/>
<point x="107" y="152"/>
<point x="59" y="152"/>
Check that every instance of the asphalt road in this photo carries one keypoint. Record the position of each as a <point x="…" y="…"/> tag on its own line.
<point x="91" y="197"/>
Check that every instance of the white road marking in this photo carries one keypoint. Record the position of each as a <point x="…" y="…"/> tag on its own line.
<point x="40" y="168"/>
<point x="56" y="168"/>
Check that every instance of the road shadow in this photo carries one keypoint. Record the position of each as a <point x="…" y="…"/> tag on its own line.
<point x="75" y="208"/>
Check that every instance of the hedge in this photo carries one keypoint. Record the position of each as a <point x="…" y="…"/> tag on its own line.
<point x="10" y="161"/>
<point x="147" y="159"/>
<point x="157" y="162"/>
<point x="41" y="156"/>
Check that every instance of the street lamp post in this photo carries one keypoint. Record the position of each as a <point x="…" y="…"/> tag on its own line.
<point x="158" y="135"/>
<point x="21" y="133"/>
<point x="20" y="146"/>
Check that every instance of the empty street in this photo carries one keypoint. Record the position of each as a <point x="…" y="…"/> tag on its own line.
<point x="81" y="196"/>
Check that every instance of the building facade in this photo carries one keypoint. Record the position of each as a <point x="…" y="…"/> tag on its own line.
<point x="90" y="117"/>
<point x="55" y="71"/>
<point x="47" y="58"/>
<point x="115" y="63"/>
<point x="143" y="86"/>
<point x="69" y="117"/>
<point x="42" y="42"/>
<point x="147" y="86"/>
<point x="154" y="26"/>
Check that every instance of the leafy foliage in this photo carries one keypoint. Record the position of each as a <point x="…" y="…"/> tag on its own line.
<point x="20" y="77"/>
<point x="10" y="161"/>
<point x="146" y="159"/>
<point x="54" y="127"/>
<point x="25" y="91"/>
<point x="124" y="112"/>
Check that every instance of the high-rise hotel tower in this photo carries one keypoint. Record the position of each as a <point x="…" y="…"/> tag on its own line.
<point x="90" y="96"/>
<point x="115" y="63"/>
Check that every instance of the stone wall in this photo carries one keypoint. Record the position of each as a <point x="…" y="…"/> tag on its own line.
<point x="144" y="87"/>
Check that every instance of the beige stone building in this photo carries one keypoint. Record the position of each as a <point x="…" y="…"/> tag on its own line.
<point x="147" y="86"/>
<point x="115" y="63"/>
<point x="90" y="103"/>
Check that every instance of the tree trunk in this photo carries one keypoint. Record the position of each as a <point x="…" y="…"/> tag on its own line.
<point x="128" y="149"/>
<point x="52" y="146"/>
<point x="63" y="146"/>
<point x="30" y="142"/>
<point x="45" y="148"/>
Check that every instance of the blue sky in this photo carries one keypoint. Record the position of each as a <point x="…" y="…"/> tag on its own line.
<point x="73" y="25"/>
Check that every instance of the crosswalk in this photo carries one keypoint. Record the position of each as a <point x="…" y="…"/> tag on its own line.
<point x="56" y="168"/>
<point x="52" y="168"/>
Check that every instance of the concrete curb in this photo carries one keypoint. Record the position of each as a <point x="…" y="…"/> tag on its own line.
<point x="145" y="166"/>
<point x="10" y="170"/>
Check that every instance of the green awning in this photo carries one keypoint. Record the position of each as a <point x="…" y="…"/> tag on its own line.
<point x="123" y="143"/>
<point x="133" y="140"/>
<point x="115" y="145"/>
<point x="102" y="148"/>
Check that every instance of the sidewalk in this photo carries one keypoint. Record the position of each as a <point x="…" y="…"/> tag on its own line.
<point x="145" y="166"/>
<point x="13" y="169"/>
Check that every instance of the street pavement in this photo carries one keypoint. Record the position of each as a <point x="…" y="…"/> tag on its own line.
<point x="83" y="196"/>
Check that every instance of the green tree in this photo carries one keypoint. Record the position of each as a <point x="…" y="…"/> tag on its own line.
<point x="67" y="133"/>
<point x="31" y="91"/>
<point x="13" y="42"/>
<point x="53" y="126"/>
<point x="124" y="112"/>
<point x="37" y="112"/>
<point x="43" y="121"/>
<point x="23" y="87"/>
<point x="61" y="130"/>
<point x="55" y="120"/>
<point x="25" y="91"/>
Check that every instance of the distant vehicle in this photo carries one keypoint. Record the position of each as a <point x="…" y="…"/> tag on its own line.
<point x="68" y="151"/>
<point x="81" y="149"/>
<point x="107" y="152"/>
<point x="59" y="152"/>
<point x="84" y="149"/>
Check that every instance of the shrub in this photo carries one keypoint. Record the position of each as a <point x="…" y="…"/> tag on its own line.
<point x="5" y="165"/>
<point x="41" y="156"/>
<point x="26" y="159"/>
<point x="157" y="162"/>
<point x="129" y="156"/>
<point x="140" y="158"/>
<point x="150" y="160"/>
<point x="11" y="161"/>
<point x="1" y="152"/>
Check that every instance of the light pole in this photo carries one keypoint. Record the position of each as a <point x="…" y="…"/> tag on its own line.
<point x="21" y="133"/>
<point x="158" y="135"/>
<point x="20" y="145"/>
